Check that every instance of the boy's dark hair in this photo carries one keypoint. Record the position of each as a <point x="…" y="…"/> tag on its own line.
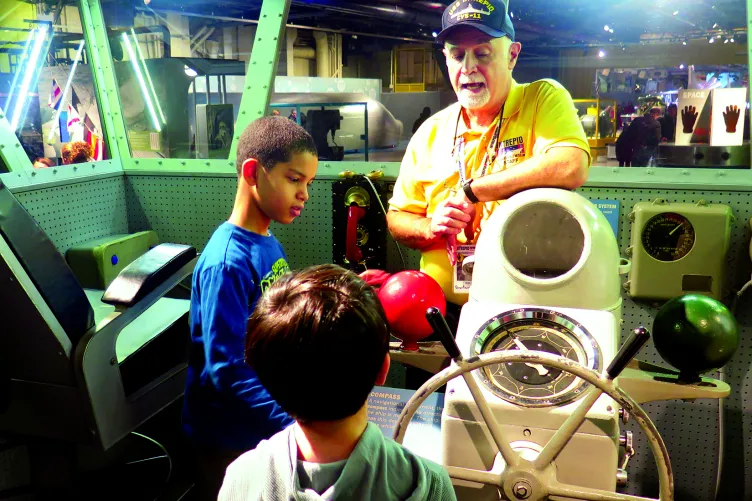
<point x="317" y="340"/>
<point x="271" y="140"/>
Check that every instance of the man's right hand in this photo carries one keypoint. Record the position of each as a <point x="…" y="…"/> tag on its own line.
<point x="451" y="217"/>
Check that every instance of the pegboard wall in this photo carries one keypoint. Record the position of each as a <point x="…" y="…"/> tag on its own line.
<point x="79" y="212"/>
<point x="690" y="430"/>
<point x="187" y="210"/>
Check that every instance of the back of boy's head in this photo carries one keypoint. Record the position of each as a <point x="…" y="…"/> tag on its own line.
<point x="271" y="140"/>
<point x="317" y="340"/>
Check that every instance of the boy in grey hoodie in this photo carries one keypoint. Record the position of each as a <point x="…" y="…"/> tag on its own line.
<point x="318" y="340"/>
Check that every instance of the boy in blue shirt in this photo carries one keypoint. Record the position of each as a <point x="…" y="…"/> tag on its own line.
<point x="319" y="341"/>
<point x="227" y="410"/>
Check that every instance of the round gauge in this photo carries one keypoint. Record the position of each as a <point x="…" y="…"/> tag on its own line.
<point x="535" y="329"/>
<point x="668" y="236"/>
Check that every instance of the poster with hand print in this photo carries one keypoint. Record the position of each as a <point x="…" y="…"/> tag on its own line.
<point x="693" y="116"/>
<point x="729" y="113"/>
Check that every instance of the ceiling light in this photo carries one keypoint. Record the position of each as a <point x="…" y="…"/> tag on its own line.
<point x="676" y="13"/>
<point x="601" y="53"/>
<point x="606" y="28"/>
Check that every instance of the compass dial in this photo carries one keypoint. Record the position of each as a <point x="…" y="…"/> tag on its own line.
<point x="535" y="329"/>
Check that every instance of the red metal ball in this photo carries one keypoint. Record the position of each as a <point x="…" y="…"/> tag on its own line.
<point x="405" y="297"/>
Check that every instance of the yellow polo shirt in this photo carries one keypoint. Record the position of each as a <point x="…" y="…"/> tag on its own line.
<point x="537" y="117"/>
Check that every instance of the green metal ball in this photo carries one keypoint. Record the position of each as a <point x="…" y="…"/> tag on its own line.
<point x="695" y="334"/>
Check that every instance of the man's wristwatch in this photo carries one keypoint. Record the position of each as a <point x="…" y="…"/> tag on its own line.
<point x="469" y="191"/>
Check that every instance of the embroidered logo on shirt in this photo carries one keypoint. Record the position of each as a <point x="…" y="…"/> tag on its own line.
<point x="279" y="268"/>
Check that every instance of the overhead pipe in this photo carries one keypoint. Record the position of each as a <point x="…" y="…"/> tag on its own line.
<point x="158" y="28"/>
<point x="322" y="53"/>
<point x="379" y="11"/>
<point x="241" y="20"/>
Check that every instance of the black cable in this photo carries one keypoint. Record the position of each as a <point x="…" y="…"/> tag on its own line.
<point x="166" y="456"/>
<point x="383" y="209"/>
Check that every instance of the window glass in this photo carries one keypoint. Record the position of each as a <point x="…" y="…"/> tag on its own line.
<point x="46" y="86"/>
<point x="180" y="74"/>
<point x="618" y="61"/>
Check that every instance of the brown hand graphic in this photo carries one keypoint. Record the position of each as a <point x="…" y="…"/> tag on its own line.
<point x="689" y="117"/>
<point x="731" y="117"/>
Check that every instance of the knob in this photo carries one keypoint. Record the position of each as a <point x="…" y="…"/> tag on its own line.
<point x="624" y="415"/>
<point x="621" y="477"/>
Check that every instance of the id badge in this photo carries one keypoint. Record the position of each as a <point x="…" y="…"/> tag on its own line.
<point x="462" y="275"/>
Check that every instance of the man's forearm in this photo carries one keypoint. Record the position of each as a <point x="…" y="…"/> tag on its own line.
<point x="565" y="168"/>
<point x="410" y="229"/>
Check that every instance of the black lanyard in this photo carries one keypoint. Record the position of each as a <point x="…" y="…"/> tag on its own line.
<point x="488" y="159"/>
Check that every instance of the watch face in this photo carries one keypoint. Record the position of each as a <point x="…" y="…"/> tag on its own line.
<point x="668" y="236"/>
<point x="535" y="329"/>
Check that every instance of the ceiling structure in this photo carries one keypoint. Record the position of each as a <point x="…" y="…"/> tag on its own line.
<point x="543" y="26"/>
<point x="539" y="23"/>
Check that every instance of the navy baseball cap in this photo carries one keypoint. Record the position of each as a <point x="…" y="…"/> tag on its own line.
<point x="489" y="16"/>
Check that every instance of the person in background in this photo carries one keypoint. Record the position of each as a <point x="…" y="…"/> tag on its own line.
<point x="637" y="145"/>
<point x="647" y="137"/>
<point x="422" y="118"/>
<point x="76" y="153"/>
<point x="668" y="124"/>
<point x="43" y="163"/>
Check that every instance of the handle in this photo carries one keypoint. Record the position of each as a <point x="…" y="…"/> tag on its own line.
<point x="627" y="352"/>
<point x="440" y="327"/>
<point x="625" y="266"/>
<point x="352" y="251"/>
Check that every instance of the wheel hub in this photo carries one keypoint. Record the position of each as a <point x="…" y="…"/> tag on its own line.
<point x="523" y="485"/>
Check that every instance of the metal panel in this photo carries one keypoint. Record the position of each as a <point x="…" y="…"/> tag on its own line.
<point x="105" y="82"/>
<point x="690" y="429"/>
<point x="76" y="213"/>
<point x="188" y="210"/>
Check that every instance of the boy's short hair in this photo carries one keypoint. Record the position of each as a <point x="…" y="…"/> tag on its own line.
<point x="271" y="140"/>
<point x="317" y="340"/>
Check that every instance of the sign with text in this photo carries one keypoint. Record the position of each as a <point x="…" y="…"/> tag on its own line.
<point x="610" y="209"/>
<point x="693" y="116"/>
<point x="424" y="432"/>
<point x="727" y="125"/>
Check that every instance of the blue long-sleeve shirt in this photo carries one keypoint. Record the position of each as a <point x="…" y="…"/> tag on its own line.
<point x="225" y="404"/>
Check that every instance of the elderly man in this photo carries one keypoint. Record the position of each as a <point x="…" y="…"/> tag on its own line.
<point x="499" y="139"/>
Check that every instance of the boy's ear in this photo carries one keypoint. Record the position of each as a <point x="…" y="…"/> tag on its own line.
<point x="250" y="171"/>
<point x="381" y="377"/>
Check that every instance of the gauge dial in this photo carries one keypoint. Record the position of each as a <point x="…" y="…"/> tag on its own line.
<point x="668" y="236"/>
<point x="535" y="329"/>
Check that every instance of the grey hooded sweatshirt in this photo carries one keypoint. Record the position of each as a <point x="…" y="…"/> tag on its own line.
<point x="378" y="469"/>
